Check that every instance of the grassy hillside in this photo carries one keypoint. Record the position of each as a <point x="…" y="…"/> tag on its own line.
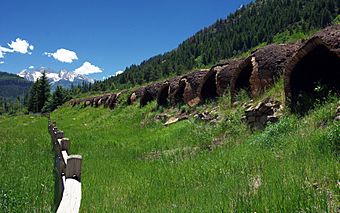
<point x="134" y="163"/>
<point x="26" y="174"/>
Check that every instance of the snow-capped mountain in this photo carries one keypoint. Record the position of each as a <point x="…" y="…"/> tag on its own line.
<point x="62" y="78"/>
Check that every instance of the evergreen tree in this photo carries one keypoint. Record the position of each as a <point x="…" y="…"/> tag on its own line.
<point x="33" y="98"/>
<point x="253" y="24"/>
<point x="59" y="97"/>
<point x="39" y="94"/>
<point x="43" y="91"/>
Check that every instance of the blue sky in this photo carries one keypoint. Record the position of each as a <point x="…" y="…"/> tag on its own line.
<point x="101" y="36"/>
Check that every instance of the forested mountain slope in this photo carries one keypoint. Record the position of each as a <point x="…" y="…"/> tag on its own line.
<point x="248" y="27"/>
<point x="12" y="86"/>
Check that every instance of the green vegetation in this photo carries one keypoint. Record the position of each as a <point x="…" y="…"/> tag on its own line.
<point x="39" y="94"/>
<point x="26" y="176"/>
<point x="58" y="98"/>
<point x="13" y="86"/>
<point x="292" y="36"/>
<point x="262" y="21"/>
<point x="13" y="93"/>
<point x="133" y="163"/>
<point x="41" y="99"/>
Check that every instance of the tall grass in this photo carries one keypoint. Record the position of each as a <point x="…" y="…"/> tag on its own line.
<point x="26" y="165"/>
<point x="134" y="163"/>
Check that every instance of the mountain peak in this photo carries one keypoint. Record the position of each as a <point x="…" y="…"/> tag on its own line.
<point x="62" y="78"/>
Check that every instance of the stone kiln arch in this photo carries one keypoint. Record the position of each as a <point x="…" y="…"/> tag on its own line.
<point x="262" y="69"/>
<point x="132" y="98"/>
<point x="167" y="90"/>
<point x="208" y="86"/>
<point x="163" y="94"/>
<point x="311" y="75"/>
<point x="224" y="72"/>
<point x="193" y="82"/>
<point x="176" y="95"/>
<point x="150" y="93"/>
<point x="330" y="36"/>
<point x="241" y="78"/>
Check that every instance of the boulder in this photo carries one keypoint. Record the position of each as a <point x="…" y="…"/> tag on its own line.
<point x="258" y="116"/>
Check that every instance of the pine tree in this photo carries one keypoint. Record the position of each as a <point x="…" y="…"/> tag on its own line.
<point x="59" y="97"/>
<point x="39" y="94"/>
<point x="33" y="98"/>
<point x="43" y="91"/>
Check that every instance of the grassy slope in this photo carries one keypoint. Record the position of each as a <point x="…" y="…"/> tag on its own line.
<point x="133" y="163"/>
<point x="26" y="161"/>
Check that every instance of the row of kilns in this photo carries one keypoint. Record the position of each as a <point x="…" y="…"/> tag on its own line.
<point x="305" y="66"/>
<point x="107" y="100"/>
<point x="310" y="69"/>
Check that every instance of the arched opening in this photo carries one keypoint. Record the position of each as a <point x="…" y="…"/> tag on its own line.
<point x="178" y="97"/>
<point x="209" y="88"/>
<point x="163" y="95"/>
<point x="128" y="100"/>
<point x="313" y="76"/>
<point x="241" y="80"/>
<point x="146" y="98"/>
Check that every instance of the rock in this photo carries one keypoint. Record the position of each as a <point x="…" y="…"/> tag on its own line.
<point x="162" y="117"/>
<point x="133" y="97"/>
<point x="206" y="116"/>
<point x="251" y="119"/>
<point x="236" y="103"/>
<point x="266" y="111"/>
<point x="272" y="118"/>
<point x="263" y="119"/>
<point x="173" y="120"/>
<point x="258" y="126"/>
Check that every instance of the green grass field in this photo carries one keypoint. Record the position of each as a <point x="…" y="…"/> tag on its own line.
<point x="133" y="163"/>
<point x="26" y="159"/>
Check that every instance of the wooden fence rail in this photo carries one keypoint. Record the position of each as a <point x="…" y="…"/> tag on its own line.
<point x="68" y="170"/>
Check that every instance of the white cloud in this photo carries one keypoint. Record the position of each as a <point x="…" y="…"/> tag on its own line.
<point x="21" y="46"/>
<point x="87" y="68"/>
<point x="116" y="73"/>
<point x="31" y="67"/>
<point x="63" y="55"/>
<point x="119" y="72"/>
<point x="2" y="62"/>
<point x="4" y="50"/>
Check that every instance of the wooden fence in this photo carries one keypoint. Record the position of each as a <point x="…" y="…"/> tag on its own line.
<point x="68" y="172"/>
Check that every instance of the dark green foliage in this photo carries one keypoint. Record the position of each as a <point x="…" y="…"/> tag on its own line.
<point x="13" y="93"/>
<point x="12" y="86"/>
<point x="39" y="94"/>
<point x="59" y="97"/>
<point x="12" y="106"/>
<point x="249" y="26"/>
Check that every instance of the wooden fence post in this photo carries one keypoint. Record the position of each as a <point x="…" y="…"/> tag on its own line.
<point x="65" y="144"/>
<point x="67" y="171"/>
<point x="73" y="168"/>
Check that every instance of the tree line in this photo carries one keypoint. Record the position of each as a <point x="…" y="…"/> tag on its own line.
<point x="42" y="100"/>
<point x="249" y="26"/>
